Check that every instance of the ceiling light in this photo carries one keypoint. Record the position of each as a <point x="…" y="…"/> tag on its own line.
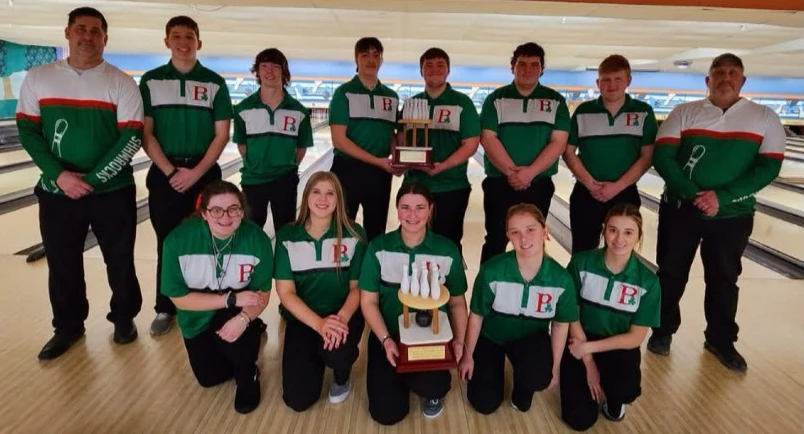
<point x="682" y="64"/>
<point x="11" y="2"/>
<point x="563" y="20"/>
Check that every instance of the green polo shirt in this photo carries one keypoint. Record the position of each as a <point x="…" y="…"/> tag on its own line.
<point x="320" y="269"/>
<point x="609" y="145"/>
<point x="185" y="107"/>
<point x="454" y="118"/>
<point x="513" y="308"/>
<point x="611" y="303"/>
<point x="369" y="115"/>
<point x="383" y="267"/>
<point x="271" y="137"/>
<point x="524" y="124"/>
<point x="189" y="265"/>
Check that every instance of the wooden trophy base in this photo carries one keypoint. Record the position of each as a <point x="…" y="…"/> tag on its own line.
<point x="420" y="349"/>
<point x="412" y="157"/>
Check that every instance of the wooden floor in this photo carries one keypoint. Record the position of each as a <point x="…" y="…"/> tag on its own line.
<point x="147" y="386"/>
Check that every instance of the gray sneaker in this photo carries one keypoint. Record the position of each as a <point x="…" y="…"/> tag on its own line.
<point x="339" y="392"/>
<point x="432" y="408"/>
<point x="161" y="324"/>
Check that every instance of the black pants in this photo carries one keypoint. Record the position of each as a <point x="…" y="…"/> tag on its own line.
<point x="304" y="359"/>
<point x="64" y="223"/>
<point x="367" y="186"/>
<point x="214" y="360"/>
<point x="587" y="215"/>
<point x="450" y="211"/>
<point x="280" y="193"/>
<point x="532" y="361"/>
<point x="723" y="241"/>
<point x="389" y="392"/>
<point x="168" y="208"/>
<point x="620" y="379"/>
<point x="498" y="196"/>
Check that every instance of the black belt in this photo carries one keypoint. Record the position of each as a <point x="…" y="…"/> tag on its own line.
<point x="185" y="161"/>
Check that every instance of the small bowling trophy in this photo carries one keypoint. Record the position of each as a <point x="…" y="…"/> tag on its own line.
<point x="415" y="155"/>
<point x="425" y="345"/>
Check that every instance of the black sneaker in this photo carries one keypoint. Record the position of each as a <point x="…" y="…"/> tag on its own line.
<point x="59" y="344"/>
<point x="614" y="413"/>
<point x="247" y="396"/>
<point x="125" y="333"/>
<point x="728" y="356"/>
<point x="660" y="345"/>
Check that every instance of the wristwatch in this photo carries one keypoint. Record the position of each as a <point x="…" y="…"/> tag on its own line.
<point x="231" y="300"/>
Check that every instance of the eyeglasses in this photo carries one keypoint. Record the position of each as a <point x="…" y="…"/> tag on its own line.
<point x="234" y="211"/>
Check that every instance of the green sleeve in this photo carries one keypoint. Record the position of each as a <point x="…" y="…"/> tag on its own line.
<point x="129" y="141"/>
<point x="650" y="129"/>
<point x="360" y="253"/>
<point x="282" y="268"/>
<point x="488" y="114"/>
<point x="222" y="106"/>
<point x="455" y="280"/>
<point x="470" y="119"/>
<point x="765" y="168"/>
<point x="573" y="133"/>
<point x="239" y="135"/>
<point x="567" y="306"/>
<point x="172" y="279"/>
<point x="339" y="108"/>
<point x="370" y="269"/>
<point x="32" y="136"/>
<point x="649" y="312"/>
<point x="562" y="117"/>
<point x="665" y="158"/>
<point x="264" y="271"/>
<point x="482" y="296"/>
<point x="145" y="93"/>
<point x="305" y="139"/>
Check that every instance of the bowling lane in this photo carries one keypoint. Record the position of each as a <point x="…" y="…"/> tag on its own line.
<point x="751" y="270"/>
<point x="14" y="157"/>
<point x="781" y="235"/>
<point x="22" y="179"/>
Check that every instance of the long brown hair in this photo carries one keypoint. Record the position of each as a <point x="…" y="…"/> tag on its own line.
<point x="624" y="210"/>
<point x="341" y="219"/>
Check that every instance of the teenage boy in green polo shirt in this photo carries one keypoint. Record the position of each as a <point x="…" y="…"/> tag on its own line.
<point x="613" y="136"/>
<point x="272" y="131"/>
<point x="362" y="119"/>
<point x="525" y="126"/>
<point x="454" y="137"/>
<point x="187" y="116"/>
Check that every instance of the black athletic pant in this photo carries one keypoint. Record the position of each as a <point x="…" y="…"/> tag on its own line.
<point x="64" y="223"/>
<point x="389" y="392"/>
<point x="281" y="194"/>
<point x="587" y="215"/>
<point x="367" y="186"/>
<point x="532" y="361"/>
<point x="620" y="379"/>
<point x="723" y="241"/>
<point x="498" y="196"/>
<point x="304" y="359"/>
<point x="168" y="208"/>
<point x="214" y="360"/>
<point x="450" y="211"/>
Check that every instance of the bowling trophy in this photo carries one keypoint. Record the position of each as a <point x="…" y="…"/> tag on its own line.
<point x="424" y="345"/>
<point x="417" y="153"/>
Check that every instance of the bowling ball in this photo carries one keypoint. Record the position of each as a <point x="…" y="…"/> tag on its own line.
<point x="424" y="318"/>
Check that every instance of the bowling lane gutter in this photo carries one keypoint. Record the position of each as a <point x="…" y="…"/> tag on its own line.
<point x="229" y="168"/>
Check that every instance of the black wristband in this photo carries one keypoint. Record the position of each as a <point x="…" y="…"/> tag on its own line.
<point x="173" y="172"/>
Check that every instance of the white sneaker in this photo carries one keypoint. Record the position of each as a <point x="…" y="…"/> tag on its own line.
<point x="339" y="392"/>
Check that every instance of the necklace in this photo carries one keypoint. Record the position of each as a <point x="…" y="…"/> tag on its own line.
<point x="217" y="260"/>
